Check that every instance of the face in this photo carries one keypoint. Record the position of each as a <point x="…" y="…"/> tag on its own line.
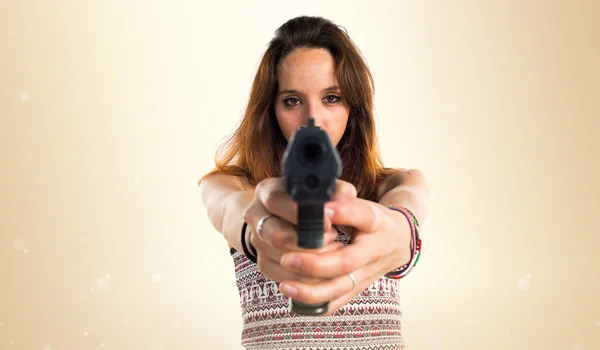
<point x="308" y="88"/>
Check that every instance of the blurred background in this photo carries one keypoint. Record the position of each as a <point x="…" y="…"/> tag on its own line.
<point x="110" y="111"/>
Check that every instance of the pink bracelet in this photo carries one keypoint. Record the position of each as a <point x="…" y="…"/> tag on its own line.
<point x="416" y="244"/>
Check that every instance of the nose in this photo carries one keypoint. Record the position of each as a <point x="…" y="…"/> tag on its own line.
<point x="314" y="110"/>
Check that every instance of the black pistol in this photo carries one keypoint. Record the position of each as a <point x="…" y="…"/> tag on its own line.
<point x="311" y="165"/>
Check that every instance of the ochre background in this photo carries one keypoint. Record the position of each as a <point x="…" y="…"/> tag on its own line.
<point x="111" y="110"/>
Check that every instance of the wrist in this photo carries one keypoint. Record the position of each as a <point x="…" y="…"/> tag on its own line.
<point x="233" y="208"/>
<point x="415" y="242"/>
<point x="402" y="237"/>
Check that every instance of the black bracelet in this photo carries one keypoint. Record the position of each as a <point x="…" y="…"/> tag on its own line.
<point x="250" y="256"/>
<point x="251" y="248"/>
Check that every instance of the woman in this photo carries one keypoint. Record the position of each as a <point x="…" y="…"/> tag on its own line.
<point x="312" y="69"/>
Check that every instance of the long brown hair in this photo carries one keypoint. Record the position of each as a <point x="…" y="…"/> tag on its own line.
<point x="256" y="148"/>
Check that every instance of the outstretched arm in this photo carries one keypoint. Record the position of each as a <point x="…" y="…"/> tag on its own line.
<point x="409" y="189"/>
<point x="226" y="198"/>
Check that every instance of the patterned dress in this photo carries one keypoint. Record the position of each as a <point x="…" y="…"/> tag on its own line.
<point x="370" y="321"/>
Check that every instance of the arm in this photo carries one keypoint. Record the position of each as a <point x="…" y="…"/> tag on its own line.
<point x="225" y="199"/>
<point x="409" y="189"/>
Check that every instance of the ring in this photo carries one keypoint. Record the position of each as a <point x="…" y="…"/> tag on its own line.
<point x="353" y="280"/>
<point x="260" y="224"/>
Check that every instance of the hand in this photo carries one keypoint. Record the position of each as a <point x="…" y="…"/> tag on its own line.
<point x="279" y="234"/>
<point x="380" y="243"/>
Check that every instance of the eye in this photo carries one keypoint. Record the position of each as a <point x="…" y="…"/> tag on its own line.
<point x="291" y="101"/>
<point x="332" y="99"/>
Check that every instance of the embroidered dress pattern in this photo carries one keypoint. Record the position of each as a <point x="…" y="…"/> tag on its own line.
<point x="371" y="321"/>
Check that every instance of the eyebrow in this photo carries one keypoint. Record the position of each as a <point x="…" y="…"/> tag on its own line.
<point x="287" y="91"/>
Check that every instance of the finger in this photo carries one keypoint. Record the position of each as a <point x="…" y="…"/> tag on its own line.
<point x="282" y="234"/>
<point x="273" y="195"/>
<point x="327" y="290"/>
<point x="373" y="273"/>
<point x="334" y="263"/>
<point x="330" y="236"/>
<point x="344" y="191"/>
<point x="333" y="246"/>
<point x="347" y="230"/>
<point x="315" y="280"/>
<point x="362" y="215"/>
<point x="278" y="237"/>
<point x="275" y="231"/>
<point x="270" y="267"/>
<point x="278" y="202"/>
<point x="272" y="270"/>
<point x="285" y="242"/>
<point x="331" y="289"/>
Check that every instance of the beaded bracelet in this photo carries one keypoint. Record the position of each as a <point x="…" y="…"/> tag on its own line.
<point x="416" y="244"/>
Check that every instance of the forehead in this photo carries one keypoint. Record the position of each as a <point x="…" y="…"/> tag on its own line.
<point x="307" y="70"/>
